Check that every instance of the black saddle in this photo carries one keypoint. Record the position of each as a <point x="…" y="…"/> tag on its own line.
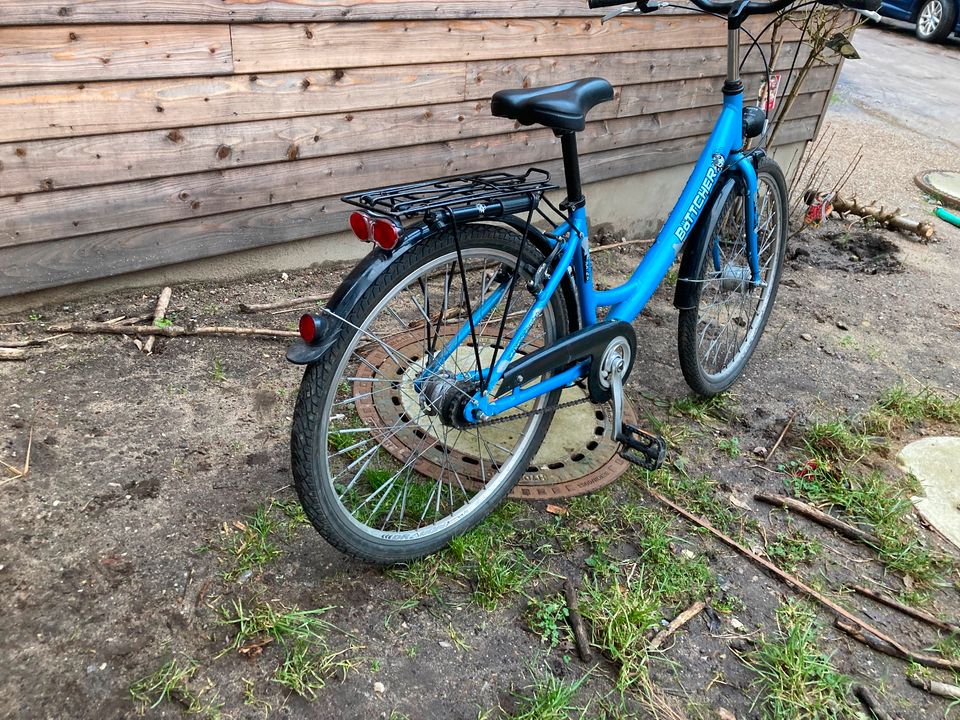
<point x="561" y="107"/>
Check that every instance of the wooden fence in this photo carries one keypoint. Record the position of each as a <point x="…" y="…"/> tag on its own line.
<point x="140" y="133"/>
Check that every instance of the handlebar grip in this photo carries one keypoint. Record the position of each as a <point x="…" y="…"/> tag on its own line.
<point x="594" y="4"/>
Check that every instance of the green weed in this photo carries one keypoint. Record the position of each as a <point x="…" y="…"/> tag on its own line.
<point x="218" y="373"/>
<point x="167" y="683"/>
<point x="699" y="495"/>
<point x="249" y="545"/>
<point x="306" y="667"/>
<point x="797" y="679"/>
<point x="263" y="623"/>
<point x="551" y="699"/>
<point x="548" y="619"/>
<point x="703" y="410"/>
<point x="792" y="548"/>
<point x="729" y="446"/>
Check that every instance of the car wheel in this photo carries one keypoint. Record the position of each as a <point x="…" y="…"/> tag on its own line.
<point x="936" y="19"/>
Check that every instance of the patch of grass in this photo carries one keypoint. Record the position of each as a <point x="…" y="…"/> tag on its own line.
<point x="218" y="372"/>
<point x="837" y="440"/>
<point x="249" y="545"/>
<point x="162" y="322"/>
<point x="792" y="548"/>
<point x="871" y="499"/>
<point x="263" y="623"/>
<point x="306" y="662"/>
<point x="550" y="699"/>
<point x="626" y="608"/>
<point x="730" y="447"/>
<point x="703" y="410"/>
<point x="307" y="666"/>
<point x="548" y="619"/>
<point x="906" y="407"/>
<point x="797" y="679"/>
<point x="167" y="683"/>
<point x="497" y="571"/>
<point x="698" y="494"/>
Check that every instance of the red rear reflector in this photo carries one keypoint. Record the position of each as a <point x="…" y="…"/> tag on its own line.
<point x="360" y="224"/>
<point x="308" y="328"/>
<point x="385" y="234"/>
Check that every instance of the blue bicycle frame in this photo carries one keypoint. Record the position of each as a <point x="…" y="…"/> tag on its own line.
<point x="722" y="152"/>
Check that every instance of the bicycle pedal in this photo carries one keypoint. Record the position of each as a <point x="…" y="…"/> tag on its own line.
<point x="641" y="448"/>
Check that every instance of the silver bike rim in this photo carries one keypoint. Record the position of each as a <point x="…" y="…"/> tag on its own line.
<point x="930" y="17"/>
<point x="496" y="480"/>
<point x="731" y="319"/>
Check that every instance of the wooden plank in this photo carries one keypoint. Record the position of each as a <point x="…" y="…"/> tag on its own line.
<point x="49" y="264"/>
<point x="286" y="47"/>
<point x="64" y="213"/>
<point x="39" y="265"/>
<point x="35" y="55"/>
<point x="629" y="68"/>
<point x="45" y="12"/>
<point x="49" y="111"/>
<point x="682" y="94"/>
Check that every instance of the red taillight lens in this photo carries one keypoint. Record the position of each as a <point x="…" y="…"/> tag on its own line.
<point x="385" y="234"/>
<point x="360" y="224"/>
<point x="309" y="328"/>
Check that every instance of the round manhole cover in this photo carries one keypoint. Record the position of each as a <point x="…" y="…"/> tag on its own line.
<point x="942" y="184"/>
<point x="576" y="457"/>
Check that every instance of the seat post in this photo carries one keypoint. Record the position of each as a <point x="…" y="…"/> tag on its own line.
<point x="571" y="169"/>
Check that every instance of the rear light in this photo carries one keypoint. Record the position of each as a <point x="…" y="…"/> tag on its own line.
<point x="385" y="234"/>
<point x="381" y="231"/>
<point x="310" y="326"/>
<point x="360" y="224"/>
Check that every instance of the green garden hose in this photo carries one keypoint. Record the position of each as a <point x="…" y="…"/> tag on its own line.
<point x="948" y="216"/>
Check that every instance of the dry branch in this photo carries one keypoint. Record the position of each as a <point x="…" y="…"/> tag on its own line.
<point x="889" y="219"/>
<point x="820" y="517"/>
<point x="170" y="331"/>
<point x="783" y="434"/>
<point x="935" y="687"/>
<point x="678" y="622"/>
<point x="12" y="353"/>
<point x="799" y="585"/>
<point x="163" y="302"/>
<point x="576" y="621"/>
<point x="875" y="640"/>
<point x="907" y="610"/>
<point x="249" y="309"/>
<point x="870" y="703"/>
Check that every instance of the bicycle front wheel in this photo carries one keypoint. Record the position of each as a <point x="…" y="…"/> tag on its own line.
<point x="717" y="336"/>
<point x="385" y="467"/>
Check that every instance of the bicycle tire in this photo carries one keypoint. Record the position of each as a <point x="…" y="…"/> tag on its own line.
<point x="727" y="306"/>
<point x="338" y="385"/>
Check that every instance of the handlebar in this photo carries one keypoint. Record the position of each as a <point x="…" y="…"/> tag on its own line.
<point x="751" y="7"/>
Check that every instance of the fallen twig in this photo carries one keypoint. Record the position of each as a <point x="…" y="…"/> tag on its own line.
<point x="625" y="243"/>
<point x="870" y="703"/>
<point x="798" y="584"/>
<point x="891" y="219"/>
<point x="783" y="434"/>
<point x="678" y="622"/>
<point x="250" y="309"/>
<point x="29" y="343"/>
<point x="12" y="353"/>
<point x="875" y="640"/>
<point x="576" y="621"/>
<point x="163" y="302"/>
<point x="935" y="687"/>
<point x="169" y="331"/>
<point x="907" y="610"/>
<point x="820" y="517"/>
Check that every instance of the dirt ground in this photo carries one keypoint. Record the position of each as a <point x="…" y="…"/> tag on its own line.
<point x="114" y="548"/>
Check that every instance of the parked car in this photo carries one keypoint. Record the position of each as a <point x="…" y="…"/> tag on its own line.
<point x="935" y="19"/>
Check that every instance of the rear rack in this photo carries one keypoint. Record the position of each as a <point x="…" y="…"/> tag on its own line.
<point x="415" y="199"/>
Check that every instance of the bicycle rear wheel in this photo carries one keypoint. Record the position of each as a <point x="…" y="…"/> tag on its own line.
<point x="383" y="468"/>
<point x="717" y="336"/>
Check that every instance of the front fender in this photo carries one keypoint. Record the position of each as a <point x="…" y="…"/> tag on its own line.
<point x="684" y="297"/>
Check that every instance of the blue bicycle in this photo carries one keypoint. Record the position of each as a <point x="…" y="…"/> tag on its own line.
<point x="436" y="368"/>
